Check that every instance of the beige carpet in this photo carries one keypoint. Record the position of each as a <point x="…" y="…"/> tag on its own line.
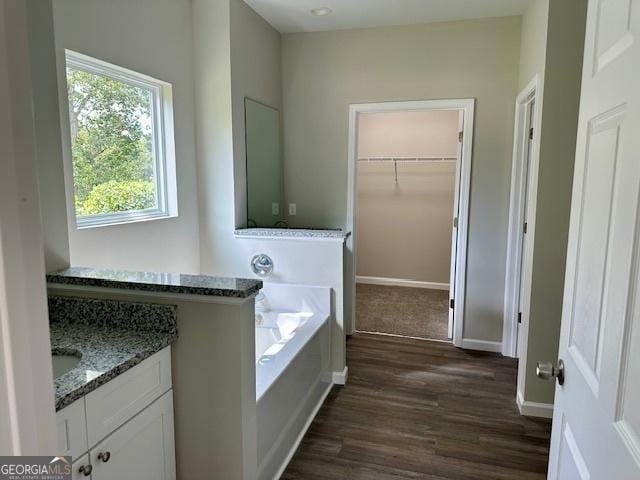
<point x="413" y="312"/>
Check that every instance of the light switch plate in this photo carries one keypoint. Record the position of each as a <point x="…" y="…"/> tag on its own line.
<point x="292" y="209"/>
<point x="275" y="208"/>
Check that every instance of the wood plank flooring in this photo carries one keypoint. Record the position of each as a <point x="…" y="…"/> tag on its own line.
<point x="422" y="410"/>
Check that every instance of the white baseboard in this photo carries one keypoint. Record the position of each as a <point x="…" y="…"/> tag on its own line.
<point x="340" y="378"/>
<point x="534" y="409"/>
<point x="296" y="444"/>
<point x="484" y="345"/>
<point x="400" y="282"/>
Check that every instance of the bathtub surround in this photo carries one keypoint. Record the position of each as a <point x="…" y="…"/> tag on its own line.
<point x="293" y="377"/>
<point x="174" y="283"/>
<point x="110" y="337"/>
<point x="304" y="260"/>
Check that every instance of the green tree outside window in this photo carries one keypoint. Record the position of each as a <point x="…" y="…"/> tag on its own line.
<point x="111" y="136"/>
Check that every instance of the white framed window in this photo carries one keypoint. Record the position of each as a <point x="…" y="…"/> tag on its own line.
<point x="122" y="144"/>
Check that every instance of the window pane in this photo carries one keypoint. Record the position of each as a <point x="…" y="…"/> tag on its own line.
<point x="112" y="145"/>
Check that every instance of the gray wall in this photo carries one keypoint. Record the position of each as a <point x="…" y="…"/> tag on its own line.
<point x="562" y="78"/>
<point x="152" y="37"/>
<point x="255" y="73"/>
<point x="324" y="72"/>
<point x="236" y="54"/>
<point x="533" y="45"/>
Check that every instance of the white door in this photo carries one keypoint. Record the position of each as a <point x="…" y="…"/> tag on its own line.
<point x="528" y="131"/>
<point x="596" y="421"/>
<point x="142" y="449"/>
<point x="454" y="230"/>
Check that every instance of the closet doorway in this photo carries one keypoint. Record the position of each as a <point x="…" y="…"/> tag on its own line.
<point x="409" y="174"/>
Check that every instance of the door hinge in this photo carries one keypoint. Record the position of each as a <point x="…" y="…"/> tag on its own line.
<point x="455" y="222"/>
<point x="524" y="228"/>
<point x="460" y="136"/>
<point x="452" y="304"/>
<point x="519" y="317"/>
<point x="531" y="133"/>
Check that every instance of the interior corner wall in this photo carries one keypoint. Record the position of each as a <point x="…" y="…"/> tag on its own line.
<point x="562" y="80"/>
<point x="255" y="73"/>
<point x="236" y="55"/>
<point x="46" y="109"/>
<point x="214" y="130"/>
<point x="152" y="37"/>
<point x="404" y="226"/>
<point x="324" y="72"/>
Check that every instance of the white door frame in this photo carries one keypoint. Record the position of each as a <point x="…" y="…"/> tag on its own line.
<point x="27" y="422"/>
<point x="467" y="106"/>
<point x="524" y="179"/>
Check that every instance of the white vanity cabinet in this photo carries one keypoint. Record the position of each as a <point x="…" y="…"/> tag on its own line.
<point x="124" y="429"/>
<point x="142" y="448"/>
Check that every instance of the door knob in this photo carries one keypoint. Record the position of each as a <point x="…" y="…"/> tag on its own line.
<point x="549" y="371"/>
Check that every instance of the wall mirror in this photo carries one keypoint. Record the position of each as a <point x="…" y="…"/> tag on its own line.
<point x="264" y="165"/>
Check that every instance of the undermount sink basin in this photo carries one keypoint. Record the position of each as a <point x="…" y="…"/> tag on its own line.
<point x="63" y="362"/>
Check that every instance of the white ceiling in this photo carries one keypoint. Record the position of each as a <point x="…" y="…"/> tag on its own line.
<point x="289" y="16"/>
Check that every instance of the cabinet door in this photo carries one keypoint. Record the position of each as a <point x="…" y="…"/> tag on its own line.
<point x="142" y="449"/>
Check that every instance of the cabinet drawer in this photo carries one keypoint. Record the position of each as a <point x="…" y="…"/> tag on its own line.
<point x="111" y="405"/>
<point x="72" y="430"/>
<point x="142" y="449"/>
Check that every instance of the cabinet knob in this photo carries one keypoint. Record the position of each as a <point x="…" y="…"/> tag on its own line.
<point x="104" y="456"/>
<point x="85" y="470"/>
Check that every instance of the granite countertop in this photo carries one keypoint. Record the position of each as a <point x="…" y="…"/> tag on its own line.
<point x="157" y="282"/>
<point x="291" y="233"/>
<point x="110" y="336"/>
<point x="105" y="355"/>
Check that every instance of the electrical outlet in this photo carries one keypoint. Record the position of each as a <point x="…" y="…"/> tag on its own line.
<point x="292" y="209"/>
<point x="275" y="208"/>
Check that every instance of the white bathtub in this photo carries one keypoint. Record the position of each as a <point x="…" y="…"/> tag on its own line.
<point x="292" y="369"/>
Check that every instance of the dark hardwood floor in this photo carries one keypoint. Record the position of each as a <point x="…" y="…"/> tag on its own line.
<point x="415" y="409"/>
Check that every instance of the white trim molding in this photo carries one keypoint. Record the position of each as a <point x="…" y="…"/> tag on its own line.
<point x="401" y="282"/>
<point x="467" y="107"/>
<point x="483" y="345"/>
<point x="534" y="409"/>
<point x="524" y="180"/>
<point x="340" y="378"/>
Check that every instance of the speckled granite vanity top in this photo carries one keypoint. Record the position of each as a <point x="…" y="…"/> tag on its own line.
<point x="157" y="282"/>
<point x="292" y="233"/>
<point x="110" y="336"/>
